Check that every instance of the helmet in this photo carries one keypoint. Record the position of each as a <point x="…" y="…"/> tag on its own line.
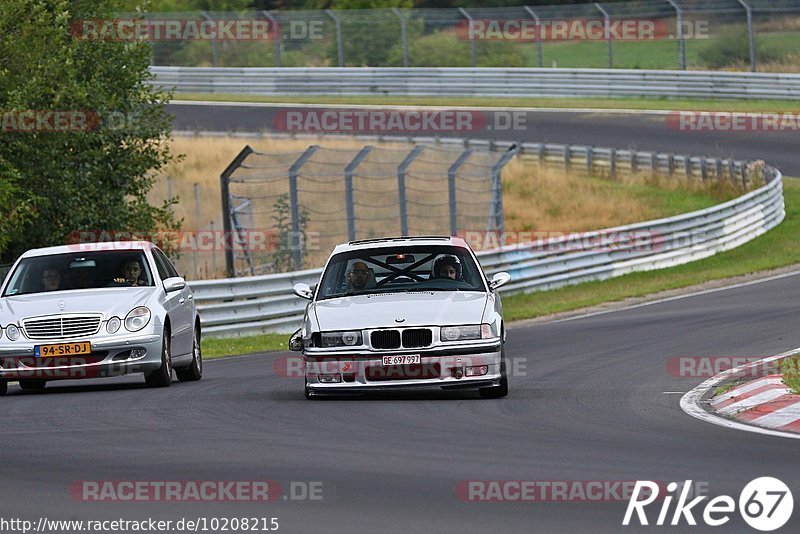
<point x="447" y="260"/>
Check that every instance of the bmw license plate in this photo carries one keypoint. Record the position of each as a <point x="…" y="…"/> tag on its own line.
<point x="63" y="349"/>
<point x="402" y="360"/>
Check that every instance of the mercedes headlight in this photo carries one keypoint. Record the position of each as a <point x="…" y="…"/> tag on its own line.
<point x="12" y="332"/>
<point x="349" y="338"/>
<point x="137" y="319"/>
<point x="113" y="324"/>
<point x="463" y="333"/>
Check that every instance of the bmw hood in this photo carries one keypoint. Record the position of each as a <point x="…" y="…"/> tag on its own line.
<point x="381" y="310"/>
<point x="110" y="302"/>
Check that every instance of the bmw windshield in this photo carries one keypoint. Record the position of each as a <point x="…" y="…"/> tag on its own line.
<point x="401" y="269"/>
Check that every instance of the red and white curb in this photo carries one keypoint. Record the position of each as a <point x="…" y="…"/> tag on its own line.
<point x="765" y="405"/>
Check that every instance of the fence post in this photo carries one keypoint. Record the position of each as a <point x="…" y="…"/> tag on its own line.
<point x="339" y="45"/>
<point x="214" y="50"/>
<point x="539" y="55"/>
<point x="196" y="226"/>
<point x="403" y="35"/>
<point x="293" y="202"/>
<point x="225" y="191"/>
<point x="401" y="187"/>
<point x="750" y="35"/>
<point x="681" y="37"/>
<point x="472" y="50"/>
<point x="276" y="36"/>
<point x="451" y="187"/>
<point x="607" y="27"/>
<point x="496" y="216"/>
<point x="348" y="191"/>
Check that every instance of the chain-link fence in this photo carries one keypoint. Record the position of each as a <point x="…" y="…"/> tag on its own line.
<point x="640" y="34"/>
<point x="286" y="211"/>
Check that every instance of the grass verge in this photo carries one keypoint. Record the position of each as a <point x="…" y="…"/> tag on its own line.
<point x="778" y="248"/>
<point x="588" y="103"/>
<point x="790" y="368"/>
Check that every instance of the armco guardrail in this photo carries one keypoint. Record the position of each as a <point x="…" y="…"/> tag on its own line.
<point x="242" y="306"/>
<point x="483" y="82"/>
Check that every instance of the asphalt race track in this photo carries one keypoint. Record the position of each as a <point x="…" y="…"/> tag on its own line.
<point x="639" y="131"/>
<point x="590" y="401"/>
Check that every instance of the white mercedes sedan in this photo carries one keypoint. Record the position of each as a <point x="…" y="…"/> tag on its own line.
<point x="403" y="313"/>
<point x="97" y="310"/>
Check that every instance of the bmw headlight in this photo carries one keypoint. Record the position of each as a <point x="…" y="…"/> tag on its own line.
<point x="349" y="338"/>
<point x="113" y="324"/>
<point x="463" y="333"/>
<point x="12" y="332"/>
<point x="137" y="319"/>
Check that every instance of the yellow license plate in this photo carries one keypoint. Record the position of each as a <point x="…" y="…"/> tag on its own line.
<point x="63" y="349"/>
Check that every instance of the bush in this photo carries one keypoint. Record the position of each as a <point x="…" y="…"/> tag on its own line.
<point x="446" y="49"/>
<point x="731" y="47"/>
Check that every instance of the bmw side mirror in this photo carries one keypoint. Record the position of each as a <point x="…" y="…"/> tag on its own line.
<point x="499" y="280"/>
<point x="175" y="283"/>
<point x="296" y="342"/>
<point x="303" y="291"/>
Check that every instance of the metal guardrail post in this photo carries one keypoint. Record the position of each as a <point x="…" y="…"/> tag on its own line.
<point x="654" y="164"/>
<point x="339" y="45"/>
<point x="718" y="169"/>
<point x="401" y="187"/>
<point x="590" y="160"/>
<point x="276" y="36"/>
<point x="567" y="155"/>
<point x="750" y="35"/>
<point x="473" y="52"/>
<point x="497" y="219"/>
<point x="704" y="169"/>
<point x="225" y="192"/>
<point x="681" y="36"/>
<point x="541" y="149"/>
<point x="403" y="34"/>
<point x="607" y="28"/>
<point x="634" y="162"/>
<point x="294" y="202"/>
<point x="538" y="21"/>
<point x="214" y="49"/>
<point x="671" y="164"/>
<point x="612" y="162"/>
<point x="688" y="168"/>
<point x="451" y="187"/>
<point x="348" y="191"/>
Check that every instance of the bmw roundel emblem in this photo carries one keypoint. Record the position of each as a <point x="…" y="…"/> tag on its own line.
<point x="399" y="320"/>
<point x="62" y="305"/>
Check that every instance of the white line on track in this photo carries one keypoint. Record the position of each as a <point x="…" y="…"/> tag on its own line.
<point x="676" y="297"/>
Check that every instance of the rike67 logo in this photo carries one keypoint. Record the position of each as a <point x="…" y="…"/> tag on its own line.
<point x="765" y="504"/>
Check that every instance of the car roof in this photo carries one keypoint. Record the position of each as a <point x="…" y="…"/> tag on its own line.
<point x="89" y="247"/>
<point x="366" y="244"/>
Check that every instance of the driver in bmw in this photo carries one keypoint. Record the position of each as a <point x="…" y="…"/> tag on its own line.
<point x="447" y="267"/>
<point x="358" y="276"/>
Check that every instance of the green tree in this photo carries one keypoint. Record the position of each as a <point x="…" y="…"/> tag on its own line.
<point x="70" y="179"/>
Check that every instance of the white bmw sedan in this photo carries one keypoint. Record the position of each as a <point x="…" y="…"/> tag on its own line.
<point x="97" y="310"/>
<point x="403" y="313"/>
